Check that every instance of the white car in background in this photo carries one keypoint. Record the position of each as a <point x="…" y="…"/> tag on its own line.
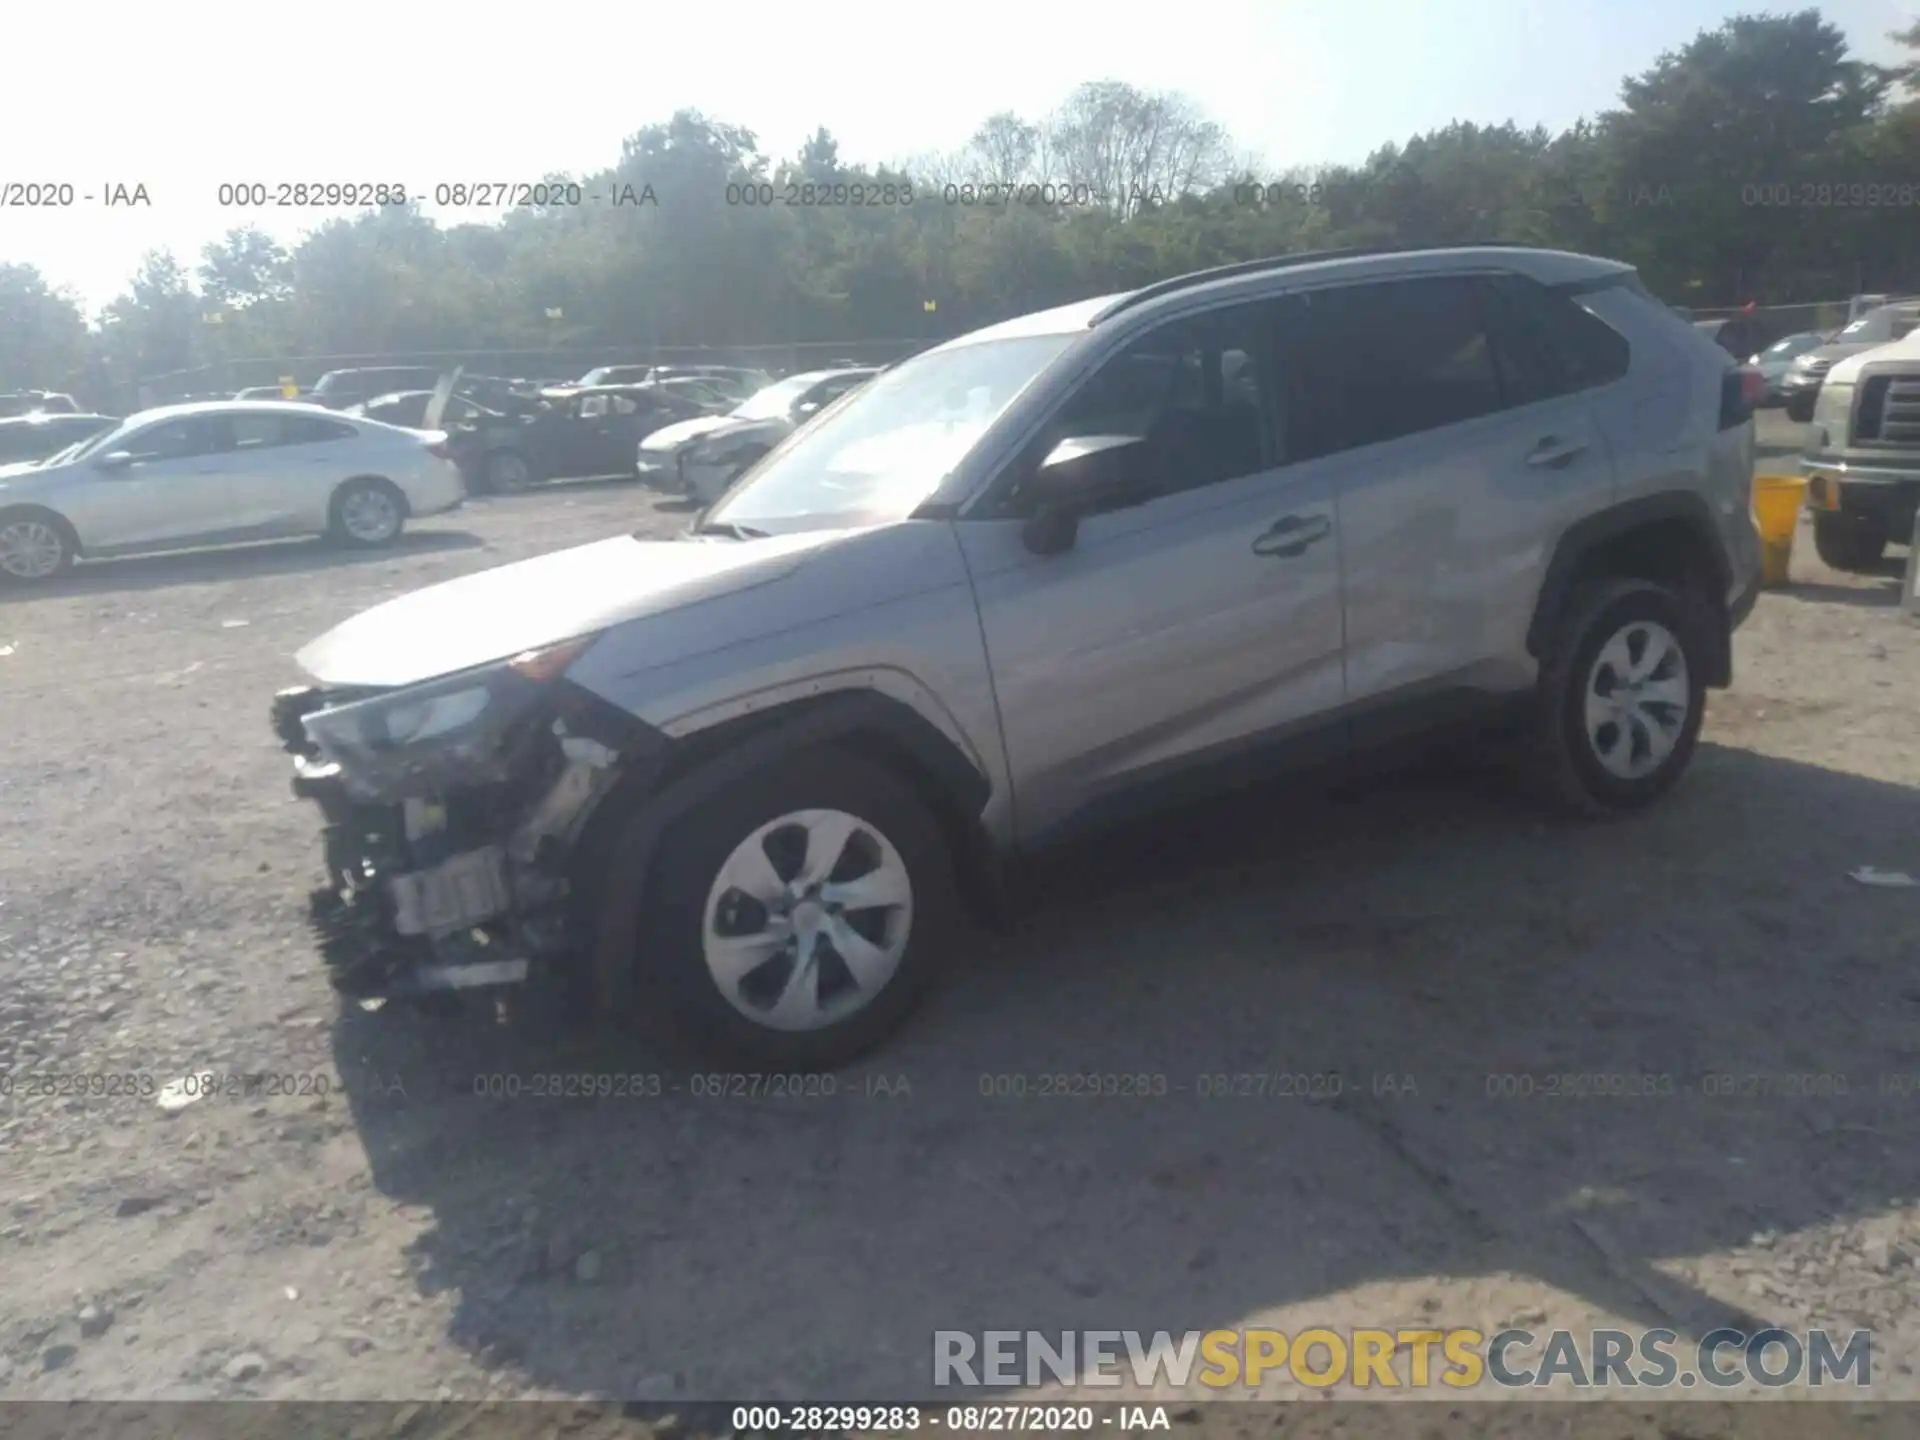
<point x="703" y="457"/>
<point x="217" y="473"/>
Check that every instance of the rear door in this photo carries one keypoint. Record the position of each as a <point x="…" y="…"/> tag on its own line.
<point x="1456" y="460"/>
<point x="603" y="437"/>
<point x="617" y="442"/>
<point x="282" y="471"/>
<point x="566" y="436"/>
<point x="174" y="492"/>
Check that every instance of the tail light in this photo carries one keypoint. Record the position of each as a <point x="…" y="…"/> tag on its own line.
<point x="1742" y="389"/>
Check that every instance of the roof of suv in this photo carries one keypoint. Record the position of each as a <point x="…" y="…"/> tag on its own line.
<point x="1547" y="266"/>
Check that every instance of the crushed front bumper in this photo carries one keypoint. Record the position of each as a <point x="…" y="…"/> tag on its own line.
<point x="464" y="889"/>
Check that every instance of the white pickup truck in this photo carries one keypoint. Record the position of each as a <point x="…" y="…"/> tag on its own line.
<point x="1862" y="460"/>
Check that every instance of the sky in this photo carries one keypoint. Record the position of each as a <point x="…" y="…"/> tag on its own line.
<point x="183" y="97"/>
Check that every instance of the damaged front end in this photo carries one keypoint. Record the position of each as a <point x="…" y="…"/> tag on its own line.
<point x="453" y="809"/>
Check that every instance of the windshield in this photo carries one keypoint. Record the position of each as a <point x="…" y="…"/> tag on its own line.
<point x="1878" y="325"/>
<point x="886" y="446"/>
<point x="87" y="447"/>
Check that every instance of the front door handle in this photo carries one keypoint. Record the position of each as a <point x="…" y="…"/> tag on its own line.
<point x="1292" y="534"/>
<point x="1555" y="453"/>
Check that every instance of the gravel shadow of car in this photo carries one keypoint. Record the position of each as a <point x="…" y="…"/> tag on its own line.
<point x="1425" y="955"/>
<point x="237" y="562"/>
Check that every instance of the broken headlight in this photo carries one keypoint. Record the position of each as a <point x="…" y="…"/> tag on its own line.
<point x="455" y="730"/>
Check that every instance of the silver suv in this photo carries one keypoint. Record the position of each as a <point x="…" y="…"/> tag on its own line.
<point x="746" y="783"/>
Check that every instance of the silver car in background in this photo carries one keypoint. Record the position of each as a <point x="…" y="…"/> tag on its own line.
<point x="219" y="473"/>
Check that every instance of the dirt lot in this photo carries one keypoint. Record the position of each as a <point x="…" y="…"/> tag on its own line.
<point x="404" y="1238"/>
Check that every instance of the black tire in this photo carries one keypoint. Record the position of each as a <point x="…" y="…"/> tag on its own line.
<point x="677" y="996"/>
<point x="344" y="529"/>
<point x="47" y="525"/>
<point x="507" y="472"/>
<point x="1853" y="543"/>
<point x="1561" y="764"/>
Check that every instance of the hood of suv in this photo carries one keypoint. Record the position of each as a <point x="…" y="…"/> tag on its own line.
<point x="497" y="613"/>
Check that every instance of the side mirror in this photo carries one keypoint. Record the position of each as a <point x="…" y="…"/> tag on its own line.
<point x="114" y="460"/>
<point x="1079" y="476"/>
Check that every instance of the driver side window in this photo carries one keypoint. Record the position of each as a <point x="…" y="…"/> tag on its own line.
<point x="176" y="440"/>
<point x="1199" y="394"/>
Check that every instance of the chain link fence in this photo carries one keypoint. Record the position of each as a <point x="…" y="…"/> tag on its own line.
<point x="1781" y="320"/>
<point x="551" y="366"/>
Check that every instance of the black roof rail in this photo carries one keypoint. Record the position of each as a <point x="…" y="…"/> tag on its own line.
<point x="1287" y="262"/>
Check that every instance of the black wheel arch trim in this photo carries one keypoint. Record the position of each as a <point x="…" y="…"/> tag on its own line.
<point x="667" y="779"/>
<point x="1585" y="536"/>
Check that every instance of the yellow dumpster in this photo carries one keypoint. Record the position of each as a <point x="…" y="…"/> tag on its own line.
<point x="1776" y="510"/>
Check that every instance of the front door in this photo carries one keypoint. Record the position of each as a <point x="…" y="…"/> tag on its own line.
<point x="1183" y="643"/>
<point x="174" y="491"/>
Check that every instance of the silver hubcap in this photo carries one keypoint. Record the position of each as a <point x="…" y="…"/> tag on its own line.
<point x="30" y="549"/>
<point x="370" y="515"/>
<point x="807" y="920"/>
<point x="509" y="472"/>
<point x="1637" y="699"/>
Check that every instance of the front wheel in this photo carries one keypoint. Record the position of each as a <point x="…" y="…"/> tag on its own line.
<point x="34" y="545"/>
<point x="794" y="920"/>
<point x="1620" y="698"/>
<point x="1849" y="542"/>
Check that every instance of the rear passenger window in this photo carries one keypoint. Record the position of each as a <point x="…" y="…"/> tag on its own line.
<point x="1576" y="348"/>
<point x="311" y="430"/>
<point x="1391" y="359"/>
<point x="255" y="432"/>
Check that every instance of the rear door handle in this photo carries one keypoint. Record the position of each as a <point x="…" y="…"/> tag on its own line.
<point x="1555" y="453"/>
<point x="1291" y="535"/>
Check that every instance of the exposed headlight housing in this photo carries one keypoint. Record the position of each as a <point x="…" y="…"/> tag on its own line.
<point x="452" y="731"/>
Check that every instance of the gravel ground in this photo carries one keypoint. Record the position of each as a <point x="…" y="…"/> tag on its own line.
<point x="402" y="1238"/>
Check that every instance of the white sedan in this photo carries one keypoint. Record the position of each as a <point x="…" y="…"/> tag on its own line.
<point x="218" y="473"/>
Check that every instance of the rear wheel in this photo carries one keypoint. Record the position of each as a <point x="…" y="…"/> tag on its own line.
<point x="1619" y="701"/>
<point x="34" y="545"/>
<point x="1852" y="543"/>
<point x="368" y="513"/>
<point x="794" y="920"/>
<point x="508" y="472"/>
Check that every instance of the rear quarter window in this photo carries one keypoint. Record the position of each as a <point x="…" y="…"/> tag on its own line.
<point x="1577" y="349"/>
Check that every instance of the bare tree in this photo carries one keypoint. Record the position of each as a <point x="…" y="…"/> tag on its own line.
<point x="1003" y="149"/>
<point x="1133" y="147"/>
